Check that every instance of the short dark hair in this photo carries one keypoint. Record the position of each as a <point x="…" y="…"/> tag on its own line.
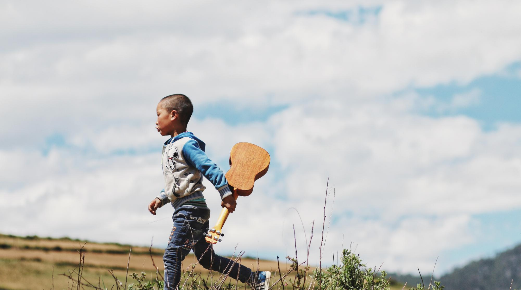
<point x="181" y="104"/>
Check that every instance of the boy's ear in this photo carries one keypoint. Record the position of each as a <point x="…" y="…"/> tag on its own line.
<point x="174" y="114"/>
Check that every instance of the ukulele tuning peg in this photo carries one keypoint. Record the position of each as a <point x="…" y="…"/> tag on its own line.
<point x="222" y="235"/>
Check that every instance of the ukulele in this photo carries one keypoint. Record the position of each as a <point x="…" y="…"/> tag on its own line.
<point x="248" y="162"/>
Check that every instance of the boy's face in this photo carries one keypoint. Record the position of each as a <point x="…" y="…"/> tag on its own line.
<point x="165" y="120"/>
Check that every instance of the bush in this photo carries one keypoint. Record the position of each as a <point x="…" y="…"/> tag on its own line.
<point x="351" y="274"/>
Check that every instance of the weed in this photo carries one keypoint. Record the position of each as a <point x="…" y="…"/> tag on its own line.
<point x="142" y="284"/>
<point x="434" y="286"/>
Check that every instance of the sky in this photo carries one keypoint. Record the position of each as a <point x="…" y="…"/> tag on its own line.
<point x="405" y="112"/>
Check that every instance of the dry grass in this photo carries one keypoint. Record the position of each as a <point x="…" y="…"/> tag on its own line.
<point x="29" y="263"/>
<point x="33" y="264"/>
<point x="30" y="274"/>
<point x="68" y="245"/>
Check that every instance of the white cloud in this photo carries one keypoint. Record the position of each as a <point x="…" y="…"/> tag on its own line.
<point x="466" y="99"/>
<point x="430" y="103"/>
<point x="397" y="169"/>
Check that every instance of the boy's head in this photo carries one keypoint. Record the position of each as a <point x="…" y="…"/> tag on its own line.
<point x="173" y="114"/>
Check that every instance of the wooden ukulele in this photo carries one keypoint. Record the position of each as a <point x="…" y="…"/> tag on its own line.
<point x="248" y="163"/>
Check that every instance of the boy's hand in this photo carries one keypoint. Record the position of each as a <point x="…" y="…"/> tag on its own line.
<point x="154" y="205"/>
<point x="229" y="203"/>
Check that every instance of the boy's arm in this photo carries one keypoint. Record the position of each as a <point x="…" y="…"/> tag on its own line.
<point x="198" y="159"/>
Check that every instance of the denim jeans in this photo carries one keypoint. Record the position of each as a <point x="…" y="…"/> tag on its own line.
<point x="190" y="225"/>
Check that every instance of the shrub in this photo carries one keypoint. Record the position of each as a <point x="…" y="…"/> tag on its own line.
<point x="350" y="274"/>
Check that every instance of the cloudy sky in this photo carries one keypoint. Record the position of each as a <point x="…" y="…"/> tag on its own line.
<point x="409" y="108"/>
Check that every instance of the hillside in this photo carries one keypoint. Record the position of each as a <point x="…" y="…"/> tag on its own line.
<point x="488" y="274"/>
<point x="39" y="263"/>
<point x="495" y="273"/>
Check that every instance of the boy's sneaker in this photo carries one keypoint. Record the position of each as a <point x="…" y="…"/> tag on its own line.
<point x="261" y="280"/>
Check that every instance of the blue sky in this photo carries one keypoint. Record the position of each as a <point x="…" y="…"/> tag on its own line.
<point x="499" y="97"/>
<point x="414" y="121"/>
<point x="497" y="231"/>
<point x="234" y="115"/>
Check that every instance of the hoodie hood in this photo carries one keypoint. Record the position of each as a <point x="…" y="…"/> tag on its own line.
<point x="190" y="135"/>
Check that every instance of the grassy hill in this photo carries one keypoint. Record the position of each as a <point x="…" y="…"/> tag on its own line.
<point x="45" y="263"/>
<point x="39" y="263"/>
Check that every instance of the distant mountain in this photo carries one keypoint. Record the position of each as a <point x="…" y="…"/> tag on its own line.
<point x="486" y="274"/>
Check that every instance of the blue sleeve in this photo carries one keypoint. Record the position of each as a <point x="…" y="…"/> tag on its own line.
<point x="197" y="158"/>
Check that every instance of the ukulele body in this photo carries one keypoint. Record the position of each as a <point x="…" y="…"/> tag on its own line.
<point x="248" y="162"/>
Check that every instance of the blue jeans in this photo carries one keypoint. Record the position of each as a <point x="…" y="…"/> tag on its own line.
<point x="190" y="225"/>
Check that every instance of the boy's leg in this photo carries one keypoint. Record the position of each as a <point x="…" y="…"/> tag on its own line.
<point x="188" y="228"/>
<point x="209" y="260"/>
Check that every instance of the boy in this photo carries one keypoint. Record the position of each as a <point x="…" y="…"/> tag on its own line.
<point x="184" y="163"/>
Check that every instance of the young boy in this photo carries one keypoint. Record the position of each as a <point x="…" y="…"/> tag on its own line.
<point x="184" y="164"/>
